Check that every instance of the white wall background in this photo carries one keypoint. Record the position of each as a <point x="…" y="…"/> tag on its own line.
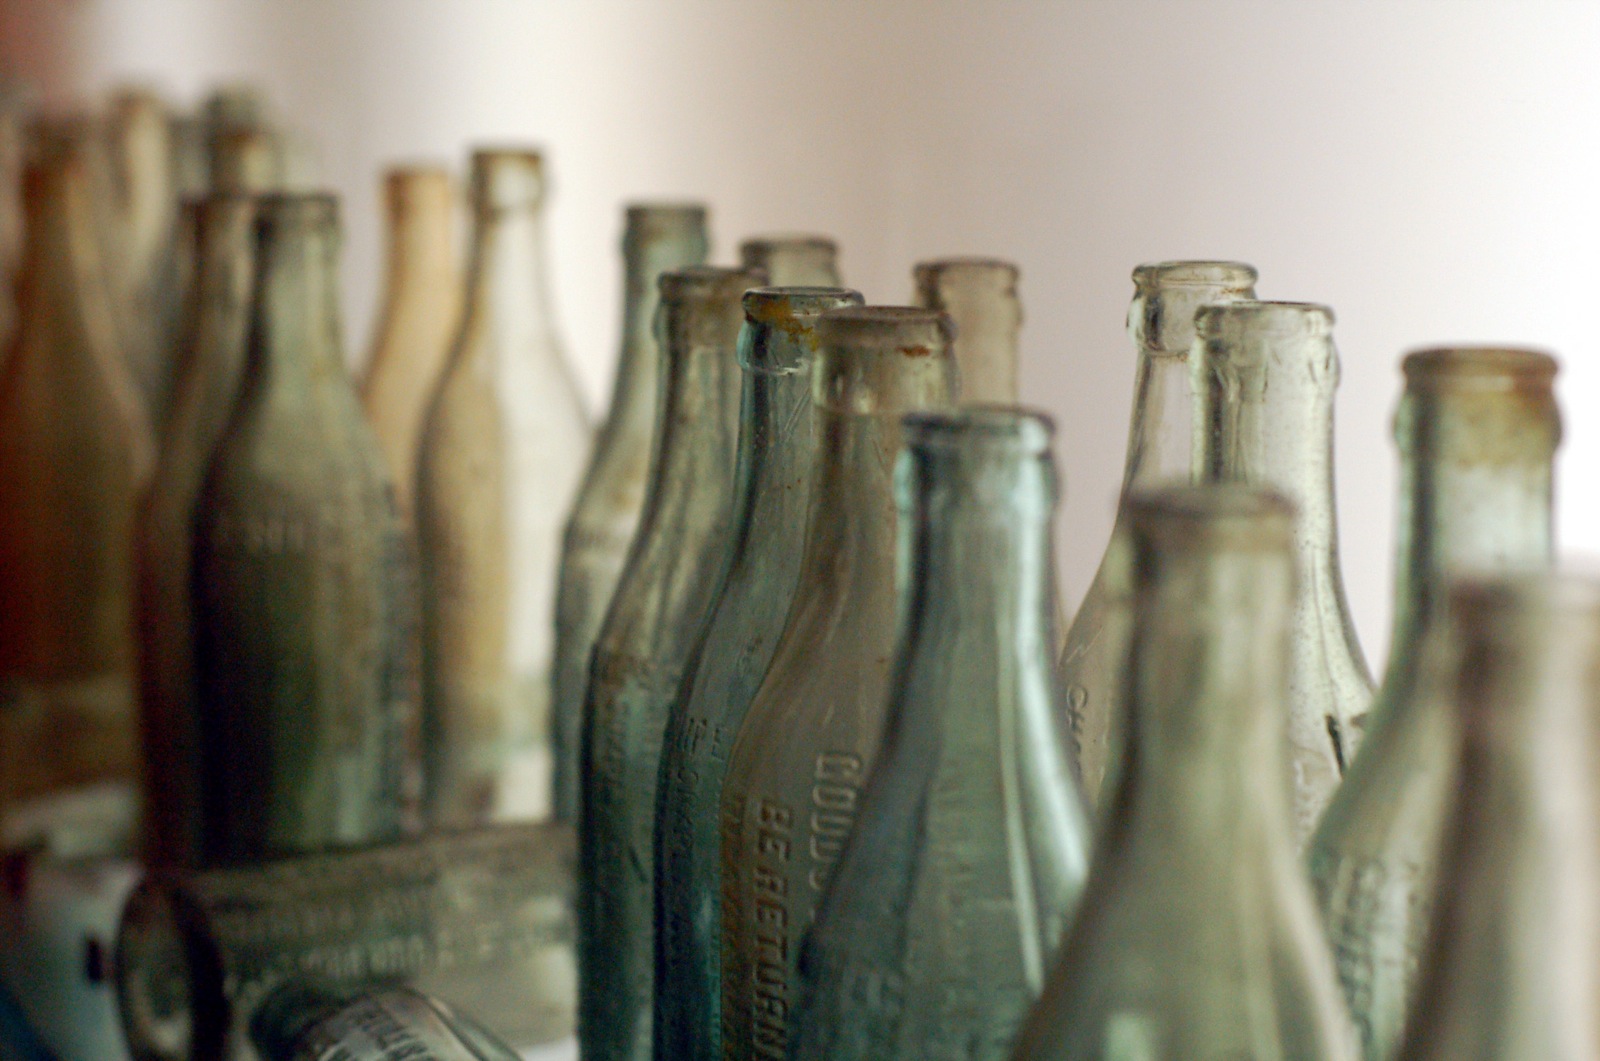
<point x="1431" y="168"/>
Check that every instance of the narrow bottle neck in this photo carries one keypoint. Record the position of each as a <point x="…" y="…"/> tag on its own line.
<point x="421" y="253"/>
<point x="633" y="401"/>
<point x="294" y="327"/>
<point x="777" y="454"/>
<point x="507" y="300"/>
<point x="1160" y="438"/>
<point x="850" y="538"/>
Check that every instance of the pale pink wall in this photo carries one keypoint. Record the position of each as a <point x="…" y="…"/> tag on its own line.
<point x="1429" y="168"/>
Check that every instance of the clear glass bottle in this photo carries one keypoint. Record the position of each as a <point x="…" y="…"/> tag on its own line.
<point x="777" y="454"/>
<point x="798" y="763"/>
<point x="1477" y="431"/>
<point x="1161" y="326"/>
<point x="305" y="588"/>
<point x="980" y="295"/>
<point x="210" y="362"/>
<point x="1264" y="380"/>
<point x="417" y="318"/>
<point x="793" y="260"/>
<point x="1510" y="968"/>
<point x="659" y="237"/>
<point x="303" y="1021"/>
<point x="480" y="918"/>
<point x="146" y="212"/>
<point x="1198" y="937"/>
<point x="503" y="445"/>
<point x="662" y="602"/>
<point x="972" y="840"/>
<point x="75" y="452"/>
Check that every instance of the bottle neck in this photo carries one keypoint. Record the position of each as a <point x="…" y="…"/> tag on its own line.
<point x="506" y="296"/>
<point x="633" y="400"/>
<point x="1161" y="438"/>
<point x="1205" y="751"/>
<point x="777" y="453"/>
<point x="421" y="254"/>
<point x="294" y="325"/>
<point x="850" y="537"/>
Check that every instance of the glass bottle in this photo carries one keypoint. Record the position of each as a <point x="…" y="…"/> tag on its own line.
<point x="1161" y="326"/>
<point x="146" y="209"/>
<point x="418" y="316"/>
<point x="1510" y="970"/>
<point x="304" y="587"/>
<point x="1264" y="379"/>
<point x="503" y="444"/>
<point x="308" y="1022"/>
<point x="972" y="841"/>
<point x="209" y="364"/>
<point x="659" y="237"/>
<point x="667" y="588"/>
<point x="245" y="160"/>
<point x="797" y="765"/>
<point x="980" y="295"/>
<point x="75" y="451"/>
<point x="1198" y="937"/>
<point x="777" y="453"/>
<point x="1477" y="431"/>
<point x="793" y="261"/>
<point x="481" y="918"/>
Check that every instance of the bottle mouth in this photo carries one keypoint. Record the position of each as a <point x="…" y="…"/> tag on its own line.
<point x="753" y="250"/>
<point x="664" y="218"/>
<point x="297" y="208"/>
<point x="405" y="184"/>
<point x="1241" y="516"/>
<point x="909" y="330"/>
<point x="931" y="273"/>
<point x="708" y="281"/>
<point x="1305" y="319"/>
<point x="1014" y="429"/>
<point x="790" y="312"/>
<point x="507" y="178"/>
<point x="1220" y="274"/>
<point x="1478" y="366"/>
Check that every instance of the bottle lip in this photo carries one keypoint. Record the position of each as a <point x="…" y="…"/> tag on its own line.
<point x="799" y="306"/>
<point x="1485" y="601"/>
<point x="312" y="209"/>
<point x="708" y="281"/>
<point x="931" y="270"/>
<point x="1235" y="512"/>
<point x="1013" y="428"/>
<point x="646" y="218"/>
<point x="1309" y="319"/>
<point x="507" y="178"/>
<point x="785" y="241"/>
<point x="911" y="330"/>
<point x="1197" y="272"/>
<point x="1478" y="365"/>
<point x="415" y="176"/>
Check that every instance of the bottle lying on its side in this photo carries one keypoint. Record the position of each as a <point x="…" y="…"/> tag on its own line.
<point x="307" y="1022"/>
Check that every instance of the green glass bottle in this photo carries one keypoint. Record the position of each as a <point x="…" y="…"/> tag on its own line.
<point x="210" y="362"/>
<point x="1477" y="431"/>
<point x="1161" y="326"/>
<point x="304" y="589"/>
<point x="662" y="602"/>
<point x="305" y="1021"/>
<point x="75" y="452"/>
<point x="972" y="841"/>
<point x="1264" y="380"/>
<point x="777" y="454"/>
<point x="797" y="766"/>
<point x="1198" y="937"/>
<point x="502" y="448"/>
<point x="1513" y="959"/>
<point x="658" y="238"/>
<point x="980" y="295"/>
<point x="792" y="260"/>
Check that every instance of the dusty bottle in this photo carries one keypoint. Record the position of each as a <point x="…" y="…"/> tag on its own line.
<point x="663" y="598"/>
<point x="417" y="318"/>
<point x="503" y="444"/>
<point x="75" y="451"/>
<point x="1477" y="431"/>
<point x="210" y="362"/>
<point x="1161" y="325"/>
<point x="777" y="454"/>
<point x="796" y="768"/>
<point x="658" y="238"/>
<point x="246" y="160"/>
<point x="480" y="918"/>
<point x="146" y="211"/>
<point x="1510" y="970"/>
<point x="304" y="588"/>
<point x="792" y="261"/>
<point x="1198" y="936"/>
<point x="972" y="840"/>
<point x="305" y="1021"/>
<point x="1264" y="379"/>
<point x="980" y="295"/>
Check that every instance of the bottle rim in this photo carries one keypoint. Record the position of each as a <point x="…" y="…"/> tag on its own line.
<point x="1013" y="428"/>
<point x="1236" y="512"/>
<point x="1486" y="364"/>
<point x="1310" y="319"/>
<point x="1196" y="273"/>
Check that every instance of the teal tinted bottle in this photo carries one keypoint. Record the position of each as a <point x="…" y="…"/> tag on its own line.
<point x="972" y="841"/>
<point x="792" y="260"/>
<point x="777" y="452"/>
<point x="1477" y="431"/>
<point x="667" y="588"/>
<point x="796" y="769"/>
<point x="605" y="516"/>
<point x="304" y="589"/>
